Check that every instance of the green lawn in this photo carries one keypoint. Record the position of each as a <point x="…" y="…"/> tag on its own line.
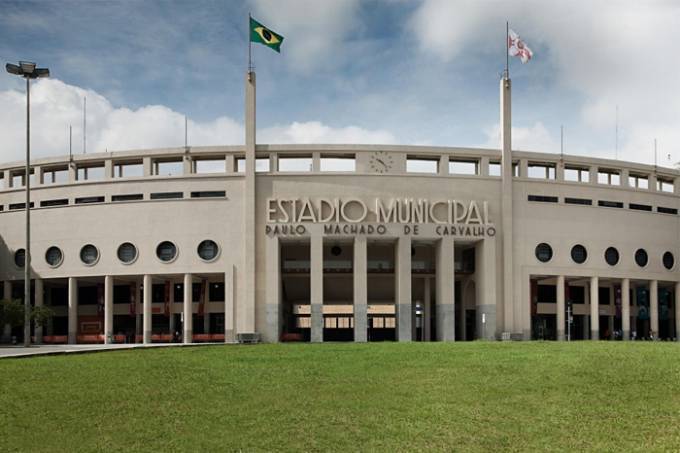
<point x="462" y="396"/>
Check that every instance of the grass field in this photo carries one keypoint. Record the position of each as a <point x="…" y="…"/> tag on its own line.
<point x="462" y="396"/>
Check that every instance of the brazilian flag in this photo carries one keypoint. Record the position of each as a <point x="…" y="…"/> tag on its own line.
<point x="260" y="33"/>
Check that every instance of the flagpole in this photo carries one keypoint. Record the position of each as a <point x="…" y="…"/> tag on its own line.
<point x="507" y="54"/>
<point x="250" y="61"/>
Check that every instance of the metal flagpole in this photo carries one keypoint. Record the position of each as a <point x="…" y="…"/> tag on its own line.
<point x="250" y="44"/>
<point x="561" y="141"/>
<point x="616" y="144"/>
<point x="507" y="47"/>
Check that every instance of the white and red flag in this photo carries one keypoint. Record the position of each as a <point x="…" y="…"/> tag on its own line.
<point x="517" y="47"/>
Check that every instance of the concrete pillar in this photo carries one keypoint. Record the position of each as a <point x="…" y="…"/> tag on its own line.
<point x="72" y="310"/>
<point x="594" y="308"/>
<point x="506" y="207"/>
<point x="316" y="287"/>
<point x="592" y="177"/>
<point x="484" y="166"/>
<point x="676" y="303"/>
<point x="72" y="173"/>
<point x="246" y="313"/>
<point x="652" y="184"/>
<point x="443" y="165"/>
<point x="523" y="168"/>
<point x="402" y="273"/>
<point x="49" y="327"/>
<point x="108" y="169"/>
<point x="560" y="308"/>
<point x="612" y="311"/>
<point x="187" y="165"/>
<point x="559" y="171"/>
<point x="654" y="308"/>
<point x="146" y="317"/>
<point x="624" y="177"/>
<point x="625" y="309"/>
<point x="360" y="275"/>
<point x="427" y="310"/>
<point x="229" y="306"/>
<point x="485" y="287"/>
<point x="273" y="289"/>
<point x="446" y="315"/>
<point x="316" y="162"/>
<point x="39" y="302"/>
<point x="108" y="309"/>
<point x="188" y="331"/>
<point x="230" y="163"/>
<point x="147" y="166"/>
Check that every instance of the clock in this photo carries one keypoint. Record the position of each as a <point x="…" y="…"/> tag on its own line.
<point x="380" y="162"/>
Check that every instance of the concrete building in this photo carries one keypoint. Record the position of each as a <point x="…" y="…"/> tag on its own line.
<point x="345" y="242"/>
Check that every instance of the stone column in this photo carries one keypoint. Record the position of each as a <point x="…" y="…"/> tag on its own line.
<point x="402" y="273"/>
<point x="72" y="310"/>
<point x="446" y="315"/>
<point x="273" y="289"/>
<point x="138" y="310"/>
<point x="39" y="302"/>
<point x="316" y="287"/>
<point x="229" y="316"/>
<point x="427" y="311"/>
<point x="146" y="317"/>
<point x="108" y="309"/>
<point x="560" y="308"/>
<point x="360" y="275"/>
<point x="625" y="309"/>
<point x="654" y="309"/>
<point x="594" y="308"/>
<point x="634" y="318"/>
<point x="676" y="303"/>
<point x="485" y="287"/>
<point x="188" y="332"/>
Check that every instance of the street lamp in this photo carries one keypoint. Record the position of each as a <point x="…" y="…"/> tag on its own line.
<point x="28" y="71"/>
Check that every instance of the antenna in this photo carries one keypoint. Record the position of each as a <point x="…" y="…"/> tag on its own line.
<point x="186" y="141"/>
<point x="655" y="155"/>
<point x="70" y="143"/>
<point x="84" y="125"/>
<point x="561" y="141"/>
<point x="616" y="143"/>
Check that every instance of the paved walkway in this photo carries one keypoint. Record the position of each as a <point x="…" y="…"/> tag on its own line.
<point x="7" y="351"/>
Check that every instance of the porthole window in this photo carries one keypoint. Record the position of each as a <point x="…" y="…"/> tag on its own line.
<point x="127" y="252"/>
<point x="336" y="250"/>
<point x="611" y="256"/>
<point x="641" y="257"/>
<point x="89" y="254"/>
<point x="544" y="252"/>
<point x="20" y="258"/>
<point x="166" y="251"/>
<point x="668" y="260"/>
<point x="579" y="254"/>
<point x="208" y="250"/>
<point x="53" y="256"/>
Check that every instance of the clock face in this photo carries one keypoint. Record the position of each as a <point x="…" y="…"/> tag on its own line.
<point x="381" y="162"/>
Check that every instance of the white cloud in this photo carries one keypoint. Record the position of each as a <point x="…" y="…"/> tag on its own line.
<point x="311" y="29"/>
<point x="316" y="132"/>
<point x="535" y="138"/>
<point x="56" y="105"/>
<point x="612" y="52"/>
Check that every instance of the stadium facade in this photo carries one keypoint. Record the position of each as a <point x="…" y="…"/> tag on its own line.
<point x="345" y="243"/>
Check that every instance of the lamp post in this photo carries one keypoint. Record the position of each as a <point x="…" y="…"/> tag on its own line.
<point x="28" y="71"/>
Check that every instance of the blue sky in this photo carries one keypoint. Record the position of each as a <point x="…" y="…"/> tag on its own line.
<point x="411" y="72"/>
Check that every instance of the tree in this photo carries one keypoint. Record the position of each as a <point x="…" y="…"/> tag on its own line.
<point x="12" y="312"/>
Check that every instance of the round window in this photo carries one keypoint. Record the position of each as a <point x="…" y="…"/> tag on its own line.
<point x="127" y="252"/>
<point x="89" y="254"/>
<point x="544" y="252"/>
<point x="579" y="254"/>
<point x="336" y="250"/>
<point x="641" y="257"/>
<point x="668" y="260"/>
<point x="166" y="251"/>
<point x="53" y="256"/>
<point x="20" y="258"/>
<point x="208" y="250"/>
<point x="611" y="256"/>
